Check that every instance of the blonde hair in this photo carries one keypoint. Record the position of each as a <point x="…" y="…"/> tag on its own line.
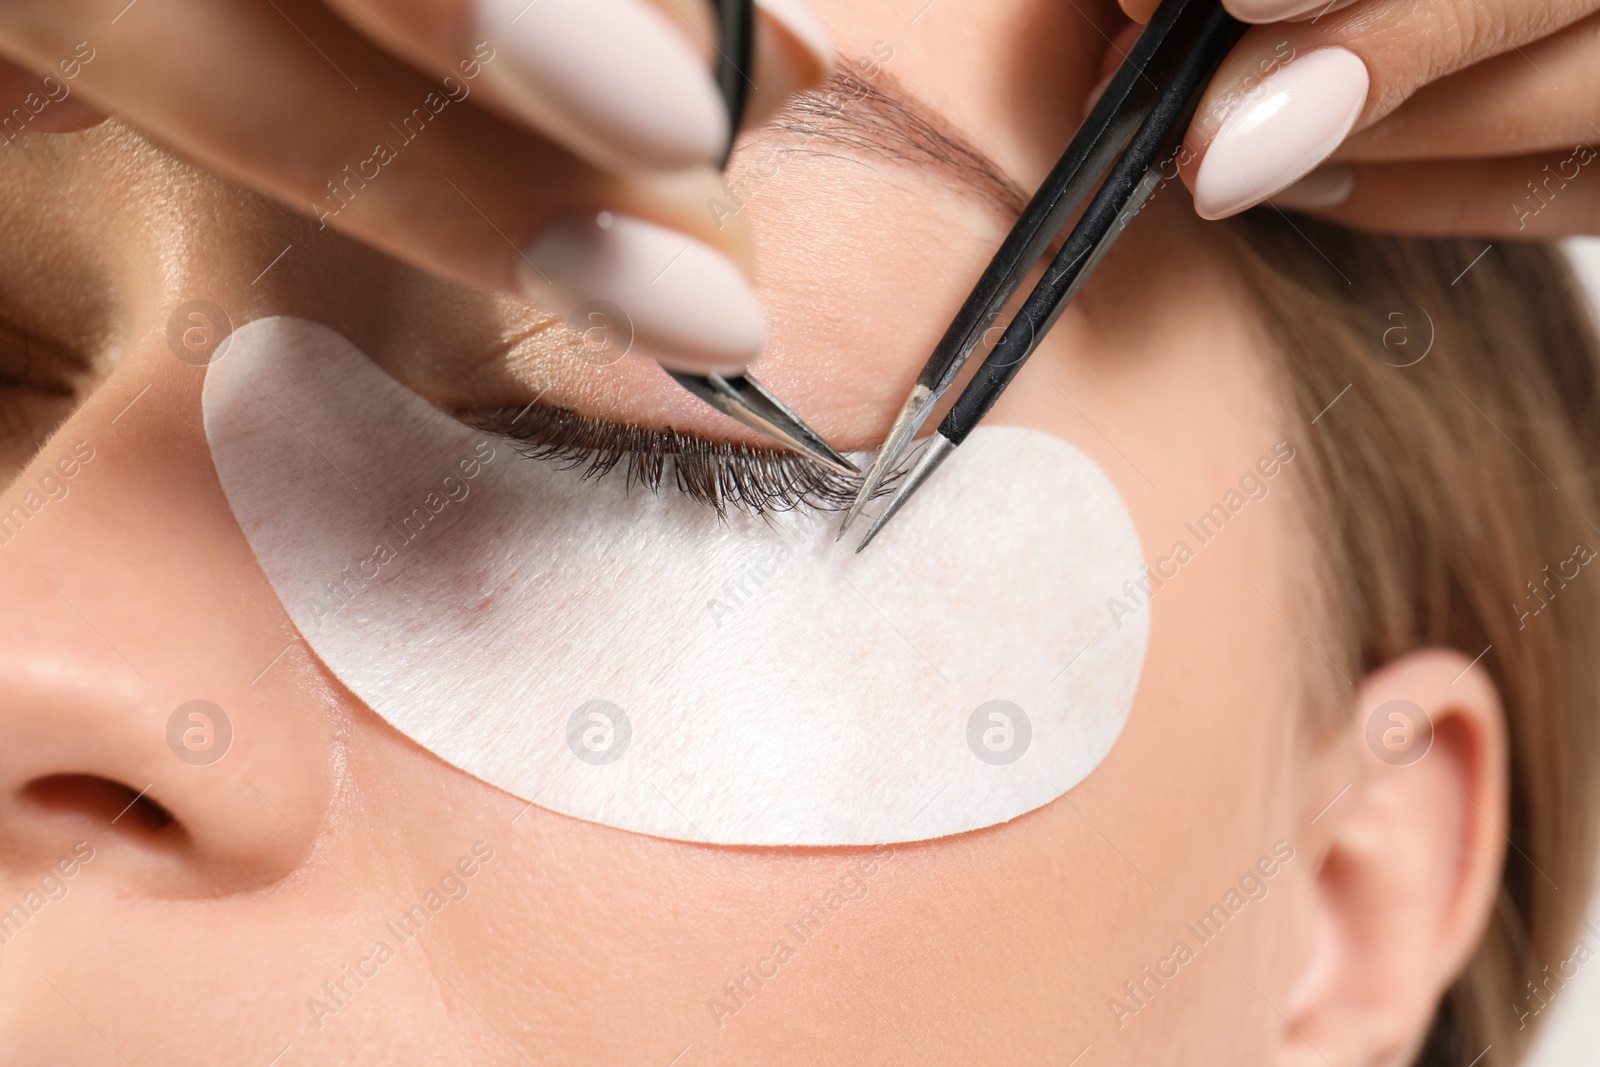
<point x="1454" y="481"/>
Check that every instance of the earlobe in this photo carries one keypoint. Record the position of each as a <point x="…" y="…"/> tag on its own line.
<point x="1411" y="854"/>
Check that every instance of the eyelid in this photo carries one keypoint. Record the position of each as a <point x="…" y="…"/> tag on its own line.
<point x="722" y="475"/>
<point x="29" y="361"/>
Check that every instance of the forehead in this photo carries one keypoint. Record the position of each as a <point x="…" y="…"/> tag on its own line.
<point x="1012" y="73"/>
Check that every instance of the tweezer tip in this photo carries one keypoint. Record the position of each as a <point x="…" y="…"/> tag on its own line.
<point x="907" y="422"/>
<point x="855" y="510"/>
<point x="837" y="462"/>
<point x="749" y="402"/>
<point x="879" y="524"/>
<point x="934" y="453"/>
<point x="819" y="452"/>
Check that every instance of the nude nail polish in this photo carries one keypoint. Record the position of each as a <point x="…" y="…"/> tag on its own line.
<point x="685" y="303"/>
<point x="796" y="17"/>
<point x="613" y="80"/>
<point x="1283" y="10"/>
<point x="1328" y="186"/>
<point x="1284" y="129"/>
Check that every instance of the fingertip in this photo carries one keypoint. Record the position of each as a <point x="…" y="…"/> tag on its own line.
<point x="685" y="302"/>
<point x="794" y="52"/>
<point x="1293" y="121"/>
<point x="627" y="86"/>
<point x="693" y="363"/>
<point x="1326" y="187"/>
<point x="70" y="116"/>
<point x="613" y="80"/>
<point x="801" y="26"/>
<point x="1258" y="12"/>
<point x="1139" y="10"/>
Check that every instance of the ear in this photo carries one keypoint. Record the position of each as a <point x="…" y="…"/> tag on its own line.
<point x="1411" y="863"/>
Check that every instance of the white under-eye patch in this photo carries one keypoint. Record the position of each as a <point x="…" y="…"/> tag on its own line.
<point x="633" y="660"/>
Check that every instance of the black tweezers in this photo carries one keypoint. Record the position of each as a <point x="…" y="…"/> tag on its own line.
<point x="1142" y="114"/>
<point x="740" y="396"/>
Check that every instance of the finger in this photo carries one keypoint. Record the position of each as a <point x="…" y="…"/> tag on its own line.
<point x="31" y="103"/>
<point x="1139" y="10"/>
<point x="1545" y="195"/>
<point x="379" y="151"/>
<point x="794" y="52"/>
<point x="1289" y="94"/>
<point x="627" y="84"/>
<point x="1535" y="99"/>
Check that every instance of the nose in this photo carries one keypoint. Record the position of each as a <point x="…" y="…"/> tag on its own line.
<point x="154" y="700"/>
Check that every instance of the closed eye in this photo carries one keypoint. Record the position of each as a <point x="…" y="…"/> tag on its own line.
<point x="722" y="475"/>
<point x="41" y="385"/>
<point x="31" y="362"/>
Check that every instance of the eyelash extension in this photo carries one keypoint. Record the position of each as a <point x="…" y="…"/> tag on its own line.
<point x="721" y="475"/>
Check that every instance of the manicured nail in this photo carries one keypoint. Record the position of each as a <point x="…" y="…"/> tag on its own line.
<point x="688" y="305"/>
<point x="1283" y="10"/>
<point x="796" y="17"/>
<point x="613" y="80"/>
<point x="1287" y="125"/>
<point x="1327" y="186"/>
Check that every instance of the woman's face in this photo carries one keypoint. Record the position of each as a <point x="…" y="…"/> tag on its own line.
<point x="256" y="914"/>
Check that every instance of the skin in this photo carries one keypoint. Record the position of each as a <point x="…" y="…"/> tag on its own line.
<point x="204" y="940"/>
<point x="1468" y="107"/>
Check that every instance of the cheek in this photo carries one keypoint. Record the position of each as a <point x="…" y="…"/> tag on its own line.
<point x="633" y="660"/>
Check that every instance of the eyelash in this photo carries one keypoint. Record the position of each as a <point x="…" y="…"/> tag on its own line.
<point x="721" y="475"/>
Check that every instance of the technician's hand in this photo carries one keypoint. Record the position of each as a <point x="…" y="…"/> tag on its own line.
<point x="1409" y="116"/>
<point x="564" y="149"/>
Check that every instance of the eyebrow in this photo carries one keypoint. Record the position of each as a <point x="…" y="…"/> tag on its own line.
<point x="863" y="108"/>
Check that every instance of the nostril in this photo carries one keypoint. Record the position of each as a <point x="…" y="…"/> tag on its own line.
<point x="103" y="801"/>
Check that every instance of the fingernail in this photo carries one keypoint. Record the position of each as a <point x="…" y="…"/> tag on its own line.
<point x="1289" y="124"/>
<point x="688" y="304"/>
<point x="796" y="17"/>
<point x="1283" y="10"/>
<point x="1327" y="186"/>
<point x="613" y="80"/>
